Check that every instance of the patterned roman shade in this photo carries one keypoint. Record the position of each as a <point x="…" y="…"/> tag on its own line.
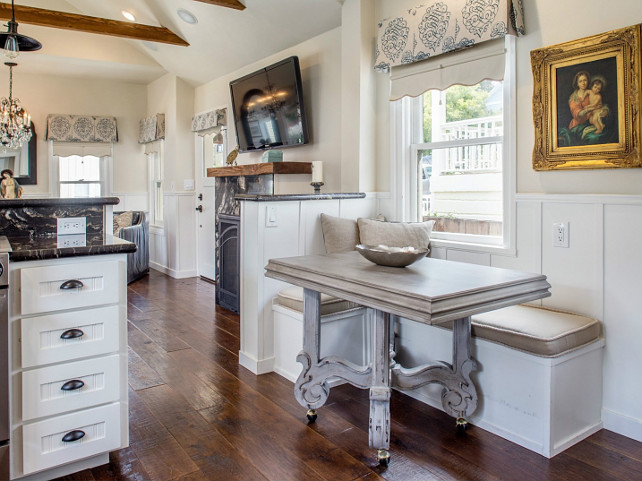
<point x="444" y="26"/>
<point x="207" y="122"/>
<point x="151" y="129"/>
<point x="81" y="128"/>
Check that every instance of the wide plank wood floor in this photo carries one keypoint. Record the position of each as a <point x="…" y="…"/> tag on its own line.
<point x="197" y="415"/>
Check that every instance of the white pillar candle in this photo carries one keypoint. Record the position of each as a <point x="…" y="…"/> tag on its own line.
<point x="317" y="171"/>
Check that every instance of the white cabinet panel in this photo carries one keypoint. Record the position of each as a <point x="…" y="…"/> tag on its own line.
<point x="50" y="288"/>
<point x="43" y="336"/>
<point x="43" y="444"/>
<point x="49" y="390"/>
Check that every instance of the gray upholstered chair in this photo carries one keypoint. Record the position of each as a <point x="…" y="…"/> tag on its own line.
<point x="138" y="233"/>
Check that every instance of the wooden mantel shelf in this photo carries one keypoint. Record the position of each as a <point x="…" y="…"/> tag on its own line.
<point x="259" y="169"/>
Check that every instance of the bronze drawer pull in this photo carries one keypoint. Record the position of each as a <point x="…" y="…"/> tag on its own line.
<point x="72" y="385"/>
<point x="72" y="334"/>
<point x="72" y="436"/>
<point x="71" y="284"/>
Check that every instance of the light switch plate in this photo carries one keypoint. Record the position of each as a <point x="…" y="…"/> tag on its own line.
<point x="270" y="216"/>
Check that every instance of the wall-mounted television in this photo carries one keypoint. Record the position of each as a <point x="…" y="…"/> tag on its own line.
<point x="268" y="107"/>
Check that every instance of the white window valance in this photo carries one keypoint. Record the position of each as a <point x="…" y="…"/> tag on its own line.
<point x="81" y="128"/>
<point x="66" y="149"/>
<point x="151" y="129"/>
<point x="208" y="122"/>
<point x="465" y="67"/>
<point x="439" y="27"/>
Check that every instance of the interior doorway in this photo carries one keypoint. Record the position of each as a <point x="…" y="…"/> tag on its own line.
<point x="210" y="152"/>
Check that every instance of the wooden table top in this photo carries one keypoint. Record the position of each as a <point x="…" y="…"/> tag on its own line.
<point x="430" y="290"/>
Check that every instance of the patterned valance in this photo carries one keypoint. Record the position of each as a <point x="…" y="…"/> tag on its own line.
<point x="81" y="128"/>
<point x="443" y="26"/>
<point x="151" y="129"/>
<point x="209" y="120"/>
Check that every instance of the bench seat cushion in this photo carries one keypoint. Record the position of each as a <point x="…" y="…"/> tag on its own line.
<point x="292" y="297"/>
<point x="538" y="330"/>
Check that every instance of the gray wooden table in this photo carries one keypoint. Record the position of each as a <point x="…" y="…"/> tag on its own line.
<point x="430" y="291"/>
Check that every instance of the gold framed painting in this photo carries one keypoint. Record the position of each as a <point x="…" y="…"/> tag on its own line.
<point x="586" y="102"/>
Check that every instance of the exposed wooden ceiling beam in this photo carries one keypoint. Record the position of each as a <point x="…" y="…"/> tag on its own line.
<point x="235" y="4"/>
<point x="84" y="23"/>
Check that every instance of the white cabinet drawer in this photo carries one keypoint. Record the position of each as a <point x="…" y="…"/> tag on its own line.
<point x="47" y="288"/>
<point x="43" y="337"/>
<point x="43" y="445"/>
<point x="66" y="387"/>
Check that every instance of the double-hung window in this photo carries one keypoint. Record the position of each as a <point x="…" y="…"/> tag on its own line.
<point x="154" y="154"/>
<point x="81" y="170"/>
<point x="456" y="155"/>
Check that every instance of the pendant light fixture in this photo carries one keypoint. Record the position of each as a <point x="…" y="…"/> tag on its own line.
<point x="13" y="42"/>
<point x="15" y="122"/>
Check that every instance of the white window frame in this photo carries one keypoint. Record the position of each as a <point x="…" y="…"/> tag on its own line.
<point x="157" y="149"/>
<point x="406" y="135"/>
<point x="106" y="172"/>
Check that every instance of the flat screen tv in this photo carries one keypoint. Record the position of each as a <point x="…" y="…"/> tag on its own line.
<point x="268" y="108"/>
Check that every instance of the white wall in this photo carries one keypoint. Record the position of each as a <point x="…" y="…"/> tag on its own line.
<point x="69" y="95"/>
<point x="320" y="62"/>
<point x="598" y="275"/>
<point x="174" y="246"/>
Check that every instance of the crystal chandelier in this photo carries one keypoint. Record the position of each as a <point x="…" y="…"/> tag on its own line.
<point x="15" y="122"/>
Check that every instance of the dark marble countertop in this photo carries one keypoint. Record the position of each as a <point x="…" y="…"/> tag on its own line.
<point x="56" y="201"/>
<point x="31" y="249"/>
<point x="286" y="197"/>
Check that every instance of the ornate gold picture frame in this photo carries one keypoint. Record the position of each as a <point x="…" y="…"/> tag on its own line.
<point x="586" y="102"/>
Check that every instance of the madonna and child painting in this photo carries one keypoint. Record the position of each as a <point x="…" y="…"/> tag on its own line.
<point x="587" y="103"/>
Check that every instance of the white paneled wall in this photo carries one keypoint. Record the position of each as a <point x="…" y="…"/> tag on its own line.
<point x="598" y="275"/>
<point x="173" y="247"/>
<point x="132" y="201"/>
<point x="622" y="408"/>
<point x="296" y="230"/>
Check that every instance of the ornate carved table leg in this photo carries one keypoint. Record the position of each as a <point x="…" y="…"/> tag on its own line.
<point x="311" y="388"/>
<point x="459" y="396"/>
<point x="379" y="427"/>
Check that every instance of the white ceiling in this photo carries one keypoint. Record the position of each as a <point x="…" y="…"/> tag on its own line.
<point x="223" y="41"/>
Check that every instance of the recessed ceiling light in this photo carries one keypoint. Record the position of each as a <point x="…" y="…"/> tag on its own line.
<point x="187" y="16"/>
<point x="128" y="15"/>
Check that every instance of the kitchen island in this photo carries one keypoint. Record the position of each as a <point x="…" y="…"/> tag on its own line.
<point x="67" y="324"/>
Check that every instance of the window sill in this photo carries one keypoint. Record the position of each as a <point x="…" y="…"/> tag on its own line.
<point x="471" y="247"/>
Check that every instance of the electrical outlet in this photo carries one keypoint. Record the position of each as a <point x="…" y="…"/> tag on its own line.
<point x="72" y="225"/>
<point x="560" y="234"/>
<point x="72" y="240"/>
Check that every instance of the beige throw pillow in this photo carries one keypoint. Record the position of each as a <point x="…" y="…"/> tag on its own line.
<point x="339" y="235"/>
<point x="395" y="234"/>
<point x="122" y="220"/>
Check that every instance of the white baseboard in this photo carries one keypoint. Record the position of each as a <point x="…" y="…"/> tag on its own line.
<point x="158" y="267"/>
<point x="622" y="424"/>
<point x="173" y="272"/>
<point x="254" y="365"/>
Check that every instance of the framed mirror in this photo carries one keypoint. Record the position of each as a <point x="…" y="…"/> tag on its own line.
<point x="22" y="161"/>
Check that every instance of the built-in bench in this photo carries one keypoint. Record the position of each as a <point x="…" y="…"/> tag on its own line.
<point x="539" y="376"/>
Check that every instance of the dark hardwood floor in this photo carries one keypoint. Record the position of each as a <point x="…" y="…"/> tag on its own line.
<point x="197" y="415"/>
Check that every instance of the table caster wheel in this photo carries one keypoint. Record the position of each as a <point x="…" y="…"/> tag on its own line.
<point x="383" y="457"/>
<point x="461" y="424"/>
<point x="312" y="415"/>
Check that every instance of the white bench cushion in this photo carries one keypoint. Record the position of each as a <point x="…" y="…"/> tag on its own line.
<point x="292" y="297"/>
<point x="541" y="331"/>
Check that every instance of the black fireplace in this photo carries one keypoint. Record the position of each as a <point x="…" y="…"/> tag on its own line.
<point x="229" y="256"/>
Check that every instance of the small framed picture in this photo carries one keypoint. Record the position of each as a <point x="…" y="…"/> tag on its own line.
<point x="586" y="102"/>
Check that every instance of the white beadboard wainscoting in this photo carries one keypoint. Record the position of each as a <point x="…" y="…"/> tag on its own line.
<point x="598" y="275"/>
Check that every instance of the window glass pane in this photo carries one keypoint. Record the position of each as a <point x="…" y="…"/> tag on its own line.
<point x="80" y="190"/>
<point x="461" y="186"/>
<point x="75" y="168"/>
